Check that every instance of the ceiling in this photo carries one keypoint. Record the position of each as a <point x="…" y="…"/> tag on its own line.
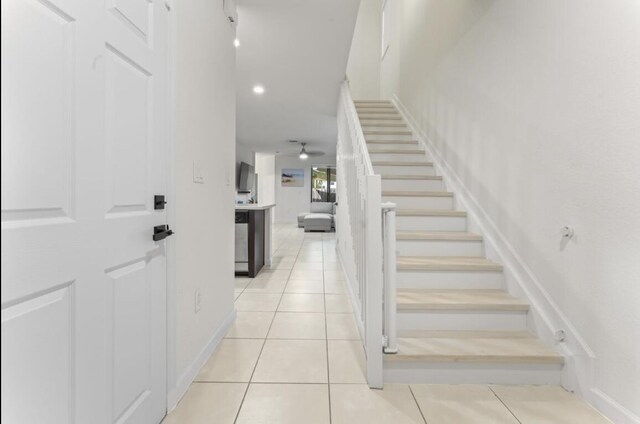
<point x="298" y="50"/>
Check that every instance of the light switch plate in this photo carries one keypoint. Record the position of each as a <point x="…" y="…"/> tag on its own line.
<point x="198" y="175"/>
<point x="197" y="301"/>
<point x="227" y="176"/>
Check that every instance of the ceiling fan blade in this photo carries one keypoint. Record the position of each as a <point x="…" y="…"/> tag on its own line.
<point x="313" y="153"/>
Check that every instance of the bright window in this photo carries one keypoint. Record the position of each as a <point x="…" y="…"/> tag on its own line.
<point x="323" y="184"/>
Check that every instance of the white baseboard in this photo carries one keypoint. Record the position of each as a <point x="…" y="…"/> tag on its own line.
<point x="612" y="409"/>
<point x="185" y="380"/>
<point x="545" y="316"/>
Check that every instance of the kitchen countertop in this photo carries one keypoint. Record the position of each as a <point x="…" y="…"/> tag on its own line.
<point x="254" y="206"/>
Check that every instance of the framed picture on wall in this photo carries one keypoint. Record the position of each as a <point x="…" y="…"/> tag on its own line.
<point x="292" y="178"/>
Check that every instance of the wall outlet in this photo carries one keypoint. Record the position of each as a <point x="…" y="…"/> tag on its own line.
<point x="197" y="301"/>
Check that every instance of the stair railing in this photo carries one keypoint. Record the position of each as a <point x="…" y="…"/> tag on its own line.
<point x="367" y="256"/>
<point x="389" y="268"/>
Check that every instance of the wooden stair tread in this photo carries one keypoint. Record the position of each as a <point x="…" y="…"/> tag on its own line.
<point x="373" y="105"/>
<point x="372" y="101"/>
<point x="389" y="117"/>
<point x="410" y="177"/>
<point x="438" y="235"/>
<point x="401" y="163"/>
<point x="374" y="111"/>
<point x="387" y="132"/>
<point x="398" y="151"/>
<point x="457" y="300"/>
<point x="392" y="141"/>
<point x="429" y="212"/>
<point x="446" y="263"/>
<point x="388" y="124"/>
<point x="478" y="349"/>
<point x="398" y="193"/>
<point x="464" y="334"/>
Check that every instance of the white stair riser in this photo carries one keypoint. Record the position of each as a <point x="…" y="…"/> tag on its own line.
<point x="391" y="117"/>
<point x="462" y="320"/>
<point x="373" y="103"/>
<point x="398" y="157"/>
<point x="473" y="373"/>
<point x="375" y="120"/>
<point x="431" y="223"/>
<point x="415" y="185"/>
<point x="407" y="137"/>
<point x="404" y="170"/>
<point x="440" y="248"/>
<point x="390" y="145"/>
<point x="420" y="202"/>
<point x="449" y="280"/>
<point x="383" y="127"/>
<point x="365" y="109"/>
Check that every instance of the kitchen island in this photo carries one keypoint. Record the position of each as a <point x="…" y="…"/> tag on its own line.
<point x="253" y="231"/>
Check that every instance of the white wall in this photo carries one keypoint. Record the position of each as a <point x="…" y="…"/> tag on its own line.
<point x="389" y="66"/>
<point x="204" y="222"/>
<point x="266" y="170"/>
<point x="290" y="201"/>
<point x="535" y="105"/>
<point x="363" y="67"/>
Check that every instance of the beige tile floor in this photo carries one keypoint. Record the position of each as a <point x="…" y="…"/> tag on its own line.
<point x="293" y="355"/>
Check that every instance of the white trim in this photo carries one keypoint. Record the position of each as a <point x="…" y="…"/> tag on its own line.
<point x="545" y="315"/>
<point x="185" y="380"/>
<point x="612" y="409"/>
<point x="172" y="297"/>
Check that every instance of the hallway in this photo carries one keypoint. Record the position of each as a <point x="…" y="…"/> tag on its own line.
<point x="294" y="356"/>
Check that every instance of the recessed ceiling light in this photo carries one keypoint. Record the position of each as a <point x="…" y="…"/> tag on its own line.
<point x="258" y="89"/>
<point x="236" y="42"/>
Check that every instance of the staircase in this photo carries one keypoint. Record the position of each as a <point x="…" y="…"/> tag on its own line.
<point x="456" y="322"/>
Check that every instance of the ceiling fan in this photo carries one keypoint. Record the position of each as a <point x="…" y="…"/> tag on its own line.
<point x="304" y="153"/>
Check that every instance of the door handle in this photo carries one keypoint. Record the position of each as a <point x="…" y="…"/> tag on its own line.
<point x="161" y="232"/>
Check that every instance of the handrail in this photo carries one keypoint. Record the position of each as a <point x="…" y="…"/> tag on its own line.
<point x="367" y="255"/>
<point x="389" y="243"/>
<point x="359" y="228"/>
<point x="359" y="136"/>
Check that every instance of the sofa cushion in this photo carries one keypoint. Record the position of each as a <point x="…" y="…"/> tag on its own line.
<point x="317" y="222"/>
<point x="322" y="207"/>
<point x="301" y="219"/>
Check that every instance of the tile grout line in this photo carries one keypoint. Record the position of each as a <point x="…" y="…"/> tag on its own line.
<point x="417" y="404"/>
<point x="505" y="405"/>
<point x="293" y="338"/>
<point x="326" y="331"/>
<point x="264" y="342"/>
<point x="299" y="252"/>
<point x="273" y="382"/>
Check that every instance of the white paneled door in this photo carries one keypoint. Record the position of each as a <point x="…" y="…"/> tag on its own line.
<point x="84" y="151"/>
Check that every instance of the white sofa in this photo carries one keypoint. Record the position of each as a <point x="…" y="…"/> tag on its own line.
<point x="320" y="218"/>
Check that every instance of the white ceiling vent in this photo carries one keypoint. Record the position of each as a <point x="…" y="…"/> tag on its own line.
<point x="230" y="11"/>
